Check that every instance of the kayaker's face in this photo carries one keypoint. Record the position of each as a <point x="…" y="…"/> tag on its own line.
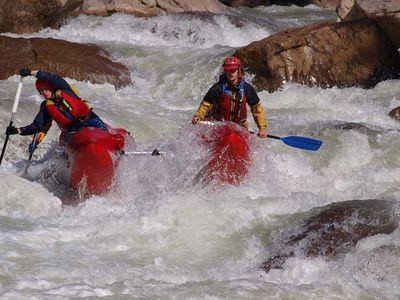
<point x="46" y="93"/>
<point x="232" y="75"/>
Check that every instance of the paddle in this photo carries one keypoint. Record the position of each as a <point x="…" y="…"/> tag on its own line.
<point x="299" y="142"/>
<point x="155" y="152"/>
<point x="14" y="110"/>
<point x="31" y="153"/>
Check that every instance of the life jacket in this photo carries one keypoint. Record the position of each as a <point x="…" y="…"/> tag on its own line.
<point x="231" y="106"/>
<point x="65" y="109"/>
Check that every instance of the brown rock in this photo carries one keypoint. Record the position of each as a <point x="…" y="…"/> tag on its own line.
<point x="349" y="10"/>
<point x="323" y="54"/>
<point x="149" y="8"/>
<point x="385" y="13"/>
<point x="395" y="113"/>
<point x="24" y="16"/>
<point x="136" y="8"/>
<point x="335" y="230"/>
<point x="78" y="61"/>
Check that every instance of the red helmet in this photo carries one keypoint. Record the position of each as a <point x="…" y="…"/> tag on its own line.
<point x="44" y="85"/>
<point x="232" y="63"/>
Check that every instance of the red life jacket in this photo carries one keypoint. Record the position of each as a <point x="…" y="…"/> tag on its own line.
<point x="231" y="106"/>
<point x="64" y="109"/>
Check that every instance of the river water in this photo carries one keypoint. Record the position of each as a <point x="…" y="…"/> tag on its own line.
<point x="158" y="234"/>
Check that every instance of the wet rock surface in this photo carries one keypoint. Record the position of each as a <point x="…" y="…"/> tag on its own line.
<point x="73" y="60"/>
<point x="332" y="231"/>
<point x="324" y="54"/>
<point x="23" y="16"/>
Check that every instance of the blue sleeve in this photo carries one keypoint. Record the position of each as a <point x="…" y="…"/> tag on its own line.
<point x="42" y="118"/>
<point x="57" y="81"/>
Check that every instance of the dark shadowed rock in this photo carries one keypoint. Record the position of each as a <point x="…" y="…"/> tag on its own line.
<point x="332" y="231"/>
<point x="330" y="4"/>
<point x="78" y="61"/>
<point x="22" y="16"/>
<point x="248" y="3"/>
<point x="324" y="54"/>
<point x="360" y="127"/>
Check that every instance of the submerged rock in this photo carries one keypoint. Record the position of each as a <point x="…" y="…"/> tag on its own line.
<point x="395" y="113"/>
<point x="332" y="231"/>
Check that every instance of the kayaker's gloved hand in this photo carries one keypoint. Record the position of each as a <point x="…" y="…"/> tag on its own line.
<point x="262" y="133"/>
<point x="32" y="147"/>
<point x="25" y="72"/>
<point x="195" y="120"/>
<point x="79" y="123"/>
<point x="12" y="130"/>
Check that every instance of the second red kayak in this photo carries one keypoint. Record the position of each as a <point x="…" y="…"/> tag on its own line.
<point x="230" y="153"/>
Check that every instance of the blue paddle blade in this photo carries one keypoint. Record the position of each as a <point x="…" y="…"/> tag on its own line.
<point x="302" y="142"/>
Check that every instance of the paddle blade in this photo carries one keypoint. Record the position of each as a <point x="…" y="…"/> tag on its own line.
<point x="302" y="142"/>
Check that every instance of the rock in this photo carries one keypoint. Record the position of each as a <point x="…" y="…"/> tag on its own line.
<point x="150" y="7"/>
<point x="385" y="13"/>
<point x="348" y="10"/>
<point x="73" y="60"/>
<point x="333" y="231"/>
<point x="24" y="16"/>
<point x="328" y="4"/>
<point x="136" y="8"/>
<point x="324" y="54"/>
<point x="248" y="3"/>
<point x="395" y="113"/>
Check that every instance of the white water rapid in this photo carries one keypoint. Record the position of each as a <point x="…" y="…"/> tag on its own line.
<point x="157" y="234"/>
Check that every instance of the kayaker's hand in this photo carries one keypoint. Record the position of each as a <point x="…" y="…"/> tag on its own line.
<point x="25" y="72"/>
<point x="79" y="123"/>
<point x="195" y="120"/>
<point x="262" y="133"/>
<point x="12" y="130"/>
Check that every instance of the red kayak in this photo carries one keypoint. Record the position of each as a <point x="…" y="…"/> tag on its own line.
<point x="93" y="155"/>
<point x="230" y="153"/>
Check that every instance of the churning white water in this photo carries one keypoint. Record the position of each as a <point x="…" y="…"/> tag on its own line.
<point x="160" y="235"/>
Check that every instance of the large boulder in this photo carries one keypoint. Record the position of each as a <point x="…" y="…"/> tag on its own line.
<point x="150" y="7"/>
<point x="385" y="13"/>
<point x="332" y="231"/>
<point x="78" y="61"/>
<point x="23" y="16"/>
<point x="26" y="16"/>
<point x="323" y="54"/>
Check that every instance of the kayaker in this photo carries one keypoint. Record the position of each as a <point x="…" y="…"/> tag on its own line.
<point x="61" y="104"/>
<point x="226" y="100"/>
